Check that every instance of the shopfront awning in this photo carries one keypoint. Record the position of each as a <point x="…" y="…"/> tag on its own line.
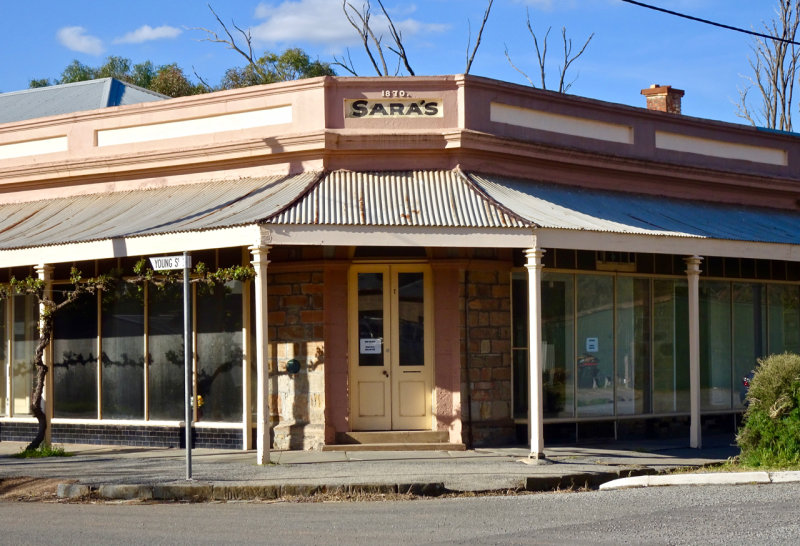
<point x="572" y="208"/>
<point x="593" y="219"/>
<point x="191" y="207"/>
<point x="409" y="208"/>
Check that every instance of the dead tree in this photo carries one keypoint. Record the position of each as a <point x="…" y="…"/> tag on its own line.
<point x="471" y="56"/>
<point x="374" y="46"/>
<point x="541" y="55"/>
<point x="360" y="20"/>
<point x="245" y="48"/>
<point x="774" y="65"/>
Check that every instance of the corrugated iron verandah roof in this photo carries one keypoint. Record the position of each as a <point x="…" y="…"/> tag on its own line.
<point x="405" y="198"/>
<point x="433" y="199"/>
<point x="571" y="208"/>
<point x="172" y="209"/>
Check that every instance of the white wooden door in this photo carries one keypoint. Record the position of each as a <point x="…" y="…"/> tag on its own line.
<point x="391" y="347"/>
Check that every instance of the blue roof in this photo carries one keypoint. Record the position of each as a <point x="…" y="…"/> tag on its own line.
<point x="71" y="97"/>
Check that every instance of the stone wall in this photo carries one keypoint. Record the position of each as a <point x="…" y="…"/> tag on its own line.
<point x="296" y="331"/>
<point x="486" y="367"/>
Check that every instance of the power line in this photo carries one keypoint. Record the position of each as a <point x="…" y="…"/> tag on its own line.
<point x="713" y="23"/>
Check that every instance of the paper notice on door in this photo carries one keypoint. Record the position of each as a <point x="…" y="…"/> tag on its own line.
<point x="370" y="346"/>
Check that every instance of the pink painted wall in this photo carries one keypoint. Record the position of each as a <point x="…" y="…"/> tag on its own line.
<point x="319" y="136"/>
<point x="336" y="363"/>
<point x="447" y="363"/>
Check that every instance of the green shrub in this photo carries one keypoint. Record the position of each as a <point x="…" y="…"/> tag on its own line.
<point x="770" y="435"/>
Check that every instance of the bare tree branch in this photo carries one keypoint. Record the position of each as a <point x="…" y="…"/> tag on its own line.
<point x="359" y="20"/>
<point x="398" y="40"/>
<point x="202" y="81"/>
<point x="569" y="60"/>
<point x="346" y="63"/>
<point x="517" y="69"/>
<point x="774" y="64"/>
<point x="245" y="50"/>
<point x="471" y="57"/>
<point x="373" y="44"/>
<point x="541" y="56"/>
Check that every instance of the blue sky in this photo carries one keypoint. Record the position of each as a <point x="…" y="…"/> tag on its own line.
<point x="631" y="49"/>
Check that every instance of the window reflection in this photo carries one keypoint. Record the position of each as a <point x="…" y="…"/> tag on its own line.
<point x="558" y="343"/>
<point x="123" y="352"/>
<point x="370" y="319"/>
<point x="25" y="336"/>
<point x="75" y="357"/>
<point x="715" y="345"/>
<point x="670" y="346"/>
<point x="595" y="344"/>
<point x="166" y="366"/>
<point x="3" y="362"/>
<point x="411" y="311"/>
<point x="219" y="351"/>
<point x="749" y="304"/>
<point x="633" y="346"/>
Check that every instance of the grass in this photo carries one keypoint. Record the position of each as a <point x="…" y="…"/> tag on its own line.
<point x="44" y="450"/>
<point x="733" y="464"/>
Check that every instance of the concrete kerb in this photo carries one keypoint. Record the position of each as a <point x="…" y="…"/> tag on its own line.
<point x="583" y="480"/>
<point x="707" y="478"/>
<point x="202" y="492"/>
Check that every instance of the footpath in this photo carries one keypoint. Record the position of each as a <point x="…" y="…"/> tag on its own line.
<point x="145" y="473"/>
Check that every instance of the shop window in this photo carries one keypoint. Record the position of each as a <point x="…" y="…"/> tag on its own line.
<point x="633" y="376"/>
<point x="558" y="344"/>
<point x="24" y="336"/>
<point x="749" y="303"/>
<point x="715" y="345"/>
<point x="670" y="348"/>
<point x="75" y="357"/>
<point x="3" y="359"/>
<point x="594" y="298"/>
<point x="123" y="352"/>
<point x="606" y="350"/>
<point x="519" y="344"/>
<point x="165" y="359"/>
<point x="783" y="318"/>
<point x="219" y="352"/>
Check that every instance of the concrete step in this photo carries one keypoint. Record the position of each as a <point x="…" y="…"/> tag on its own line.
<point x="426" y="446"/>
<point x="393" y="437"/>
<point x="394" y="440"/>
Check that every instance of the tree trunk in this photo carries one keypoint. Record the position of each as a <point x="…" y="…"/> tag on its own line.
<point x="45" y="329"/>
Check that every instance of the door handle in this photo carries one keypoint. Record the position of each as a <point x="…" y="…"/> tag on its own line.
<point x="385" y="373"/>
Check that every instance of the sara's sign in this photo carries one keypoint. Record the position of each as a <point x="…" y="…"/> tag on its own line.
<point x="393" y="108"/>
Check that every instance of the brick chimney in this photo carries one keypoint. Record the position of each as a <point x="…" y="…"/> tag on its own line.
<point x="663" y="98"/>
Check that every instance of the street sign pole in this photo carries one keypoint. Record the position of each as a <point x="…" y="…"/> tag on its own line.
<point x="163" y="263"/>
<point x="187" y="352"/>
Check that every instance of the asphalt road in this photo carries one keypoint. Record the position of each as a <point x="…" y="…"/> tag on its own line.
<point x="765" y="514"/>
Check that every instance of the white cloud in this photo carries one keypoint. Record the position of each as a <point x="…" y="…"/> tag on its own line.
<point x="146" y="33"/>
<point x="315" y="21"/>
<point x="323" y="22"/>
<point x="76" y="39"/>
